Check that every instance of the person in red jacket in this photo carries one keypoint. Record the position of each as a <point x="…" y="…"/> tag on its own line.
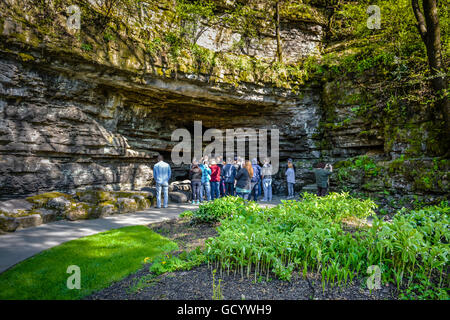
<point x="215" y="180"/>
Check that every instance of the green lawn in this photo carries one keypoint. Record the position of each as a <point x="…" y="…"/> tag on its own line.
<point x="103" y="258"/>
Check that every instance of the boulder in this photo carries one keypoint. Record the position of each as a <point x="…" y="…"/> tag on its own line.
<point x="126" y="205"/>
<point x="94" y="196"/>
<point x="8" y="224"/>
<point x="106" y="210"/>
<point x="41" y="200"/>
<point x="184" y="185"/>
<point x="78" y="211"/>
<point x="60" y="204"/>
<point x="47" y="215"/>
<point x="310" y="188"/>
<point x="103" y="210"/>
<point x="142" y="202"/>
<point x="178" y="197"/>
<point x="15" y="207"/>
<point x="150" y="190"/>
<point x="32" y="220"/>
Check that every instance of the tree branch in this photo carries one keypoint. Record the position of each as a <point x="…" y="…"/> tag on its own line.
<point x="421" y="25"/>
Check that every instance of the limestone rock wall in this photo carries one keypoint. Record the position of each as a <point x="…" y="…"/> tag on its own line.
<point x="53" y="135"/>
<point x="61" y="133"/>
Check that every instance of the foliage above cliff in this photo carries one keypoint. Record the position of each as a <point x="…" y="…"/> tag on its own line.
<point x="389" y="65"/>
<point x="173" y="27"/>
<point x="161" y="36"/>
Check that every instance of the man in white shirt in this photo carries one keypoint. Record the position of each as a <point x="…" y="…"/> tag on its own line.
<point x="161" y="174"/>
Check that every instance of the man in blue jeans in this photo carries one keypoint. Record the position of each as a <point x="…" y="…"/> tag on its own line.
<point x="267" y="180"/>
<point x="161" y="174"/>
<point x="229" y="174"/>
<point x="256" y="179"/>
<point x="206" y="177"/>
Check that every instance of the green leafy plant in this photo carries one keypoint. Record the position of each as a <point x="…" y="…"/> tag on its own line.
<point x="86" y="47"/>
<point x="187" y="214"/>
<point x="309" y="236"/>
<point x="211" y="212"/>
<point x="108" y="36"/>
<point x="185" y="261"/>
<point x="217" y="289"/>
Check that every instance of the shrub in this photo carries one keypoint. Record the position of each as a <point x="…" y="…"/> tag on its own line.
<point x="211" y="212"/>
<point x="335" y="206"/>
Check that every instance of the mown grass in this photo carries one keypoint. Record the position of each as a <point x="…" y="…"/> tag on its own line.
<point x="103" y="259"/>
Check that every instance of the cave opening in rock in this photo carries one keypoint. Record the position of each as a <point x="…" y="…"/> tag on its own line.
<point x="147" y="120"/>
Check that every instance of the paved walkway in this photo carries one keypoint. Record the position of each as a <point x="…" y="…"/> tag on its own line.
<point x="22" y="244"/>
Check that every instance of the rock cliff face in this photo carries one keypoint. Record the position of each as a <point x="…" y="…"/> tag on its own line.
<point x="60" y="131"/>
<point x="69" y="122"/>
<point x="78" y="111"/>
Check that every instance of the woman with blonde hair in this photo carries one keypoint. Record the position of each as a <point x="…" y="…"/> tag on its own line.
<point x="243" y="180"/>
<point x="290" y="177"/>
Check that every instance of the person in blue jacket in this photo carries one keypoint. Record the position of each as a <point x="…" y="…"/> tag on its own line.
<point x="206" y="178"/>
<point x="256" y="179"/>
<point x="229" y="175"/>
<point x="161" y="174"/>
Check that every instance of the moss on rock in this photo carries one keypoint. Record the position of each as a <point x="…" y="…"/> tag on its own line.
<point x="78" y="211"/>
<point x="142" y="202"/>
<point x="41" y="200"/>
<point x="8" y="224"/>
<point x="126" y="205"/>
<point x="94" y="196"/>
<point x="103" y="209"/>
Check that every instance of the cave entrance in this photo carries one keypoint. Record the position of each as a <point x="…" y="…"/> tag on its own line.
<point x="296" y="118"/>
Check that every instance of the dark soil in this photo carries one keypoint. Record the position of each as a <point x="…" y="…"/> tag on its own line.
<point x="197" y="284"/>
<point x="186" y="235"/>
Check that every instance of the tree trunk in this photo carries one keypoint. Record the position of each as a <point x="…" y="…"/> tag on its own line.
<point x="433" y="44"/>
<point x="429" y="29"/>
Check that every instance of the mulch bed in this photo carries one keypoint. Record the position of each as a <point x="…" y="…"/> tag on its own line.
<point x="186" y="235"/>
<point x="197" y="284"/>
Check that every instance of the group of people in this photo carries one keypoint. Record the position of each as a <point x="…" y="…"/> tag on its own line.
<point x="217" y="177"/>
